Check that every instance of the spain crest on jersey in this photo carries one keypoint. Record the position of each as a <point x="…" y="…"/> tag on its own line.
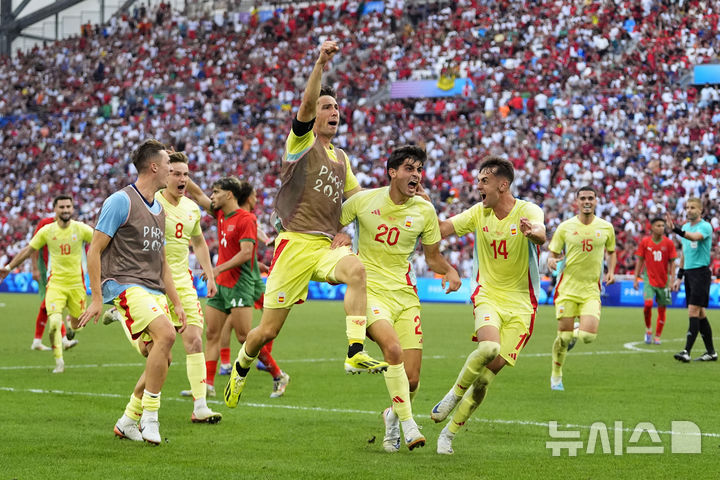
<point x="513" y="230"/>
<point x="408" y="222"/>
<point x="74" y="237"/>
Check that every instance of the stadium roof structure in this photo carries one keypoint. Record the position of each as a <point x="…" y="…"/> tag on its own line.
<point x="13" y="25"/>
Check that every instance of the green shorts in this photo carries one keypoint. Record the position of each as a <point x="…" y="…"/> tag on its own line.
<point x="244" y="294"/>
<point x="662" y="295"/>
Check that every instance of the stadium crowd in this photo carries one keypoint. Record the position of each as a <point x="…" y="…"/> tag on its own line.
<point x="573" y="93"/>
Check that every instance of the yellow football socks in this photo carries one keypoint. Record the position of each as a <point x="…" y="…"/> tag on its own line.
<point x="586" y="337"/>
<point x="399" y="389"/>
<point x="355" y="325"/>
<point x="559" y="351"/>
<point x="196" y="373"/>
<point x="134" y="408"/>
<point x="150" y="401"/>
<point x="244" y="359"/>
<point x="55" y="327"/>
<point x="472" y="399"/>
<point x="485" y="352"/>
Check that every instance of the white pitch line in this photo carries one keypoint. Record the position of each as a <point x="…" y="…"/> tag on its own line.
<point x="332" y="410"/>
<point x="630" y="348"/>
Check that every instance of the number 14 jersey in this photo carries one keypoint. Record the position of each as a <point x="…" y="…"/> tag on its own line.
<point x="505" y="262"/>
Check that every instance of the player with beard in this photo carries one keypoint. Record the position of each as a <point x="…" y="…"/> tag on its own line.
<point x="65" y="239"/>
<point x="582" y="241"/>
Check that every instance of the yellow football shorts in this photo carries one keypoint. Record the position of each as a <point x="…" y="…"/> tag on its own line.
<point x="138" y="309"/>
<point x="299" y="258"/>
<point x="566" y="306"/>
<point x="57" y="297"/>
<point x="191" y="305"/>
<point x="402" y="310"/>
<point x="515" y="328"/>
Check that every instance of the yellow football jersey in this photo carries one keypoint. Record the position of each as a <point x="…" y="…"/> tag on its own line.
<point x="387" y="235"/>
<point x="505" y="262"/>
<point x="584" y="247"/>
<point x="66" y="250"/>
<point x="181" y="223"/>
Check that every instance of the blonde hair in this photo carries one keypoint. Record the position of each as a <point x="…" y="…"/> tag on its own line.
<point x="696" y="201"/>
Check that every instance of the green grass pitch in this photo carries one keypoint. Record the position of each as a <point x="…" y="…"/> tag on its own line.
<point x="328" y="424"/>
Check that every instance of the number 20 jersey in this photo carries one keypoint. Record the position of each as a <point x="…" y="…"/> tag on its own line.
<point x="505" y="262"/>
<point x="388" y="234"/>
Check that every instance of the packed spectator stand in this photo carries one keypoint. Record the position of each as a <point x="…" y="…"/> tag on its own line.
<point x="573" y="93"/>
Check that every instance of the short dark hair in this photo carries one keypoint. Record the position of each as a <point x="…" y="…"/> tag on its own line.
<point x="232" y="185"/>
<point x="586" y="188"/>
<point x="141" y="155"/>
<point x="657" y="219"/>
<point x="499" y="167"/>
<point x="246" y="189"/>
<point x="328" y="90"/>
<point x="62" y="196"/>
<point x="398" y="156"/>
<point x="178" y="157"/>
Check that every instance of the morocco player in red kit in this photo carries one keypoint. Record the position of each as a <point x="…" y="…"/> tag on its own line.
<point x="657" y="253"/>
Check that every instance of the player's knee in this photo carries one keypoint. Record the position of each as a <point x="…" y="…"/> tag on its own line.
<point x="164" y="338"/>
<point x="194" y="345"/>
<point x="565" y="338"/>
<point x="586" y="337"/>
<point x="356" y="274"/>
<point x="393" y="353"/>
<point x="486" y="351"/>
<point x="241" y="336"/>
<point x="54" y="321"/>
<point x="266" y="333"/>
<point x="648" y="303"/>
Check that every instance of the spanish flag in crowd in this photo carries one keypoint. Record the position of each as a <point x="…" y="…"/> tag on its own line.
<point x="447" y="81"/>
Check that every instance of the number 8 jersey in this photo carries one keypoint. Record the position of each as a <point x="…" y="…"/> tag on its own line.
<point x="388" y="235"/>
<point x="505" y="263"/>
<point x="182" y="222"/>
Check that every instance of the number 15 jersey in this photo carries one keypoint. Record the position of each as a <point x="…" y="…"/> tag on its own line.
<point x="584" y="247"/>
<point x="505" y="262"/>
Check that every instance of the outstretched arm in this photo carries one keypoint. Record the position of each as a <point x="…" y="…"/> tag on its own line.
<point x="308" y="107"/>
<point x="198" y="195"/>
<point x="446" y="228"/>
<point x="19" y="259"/>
